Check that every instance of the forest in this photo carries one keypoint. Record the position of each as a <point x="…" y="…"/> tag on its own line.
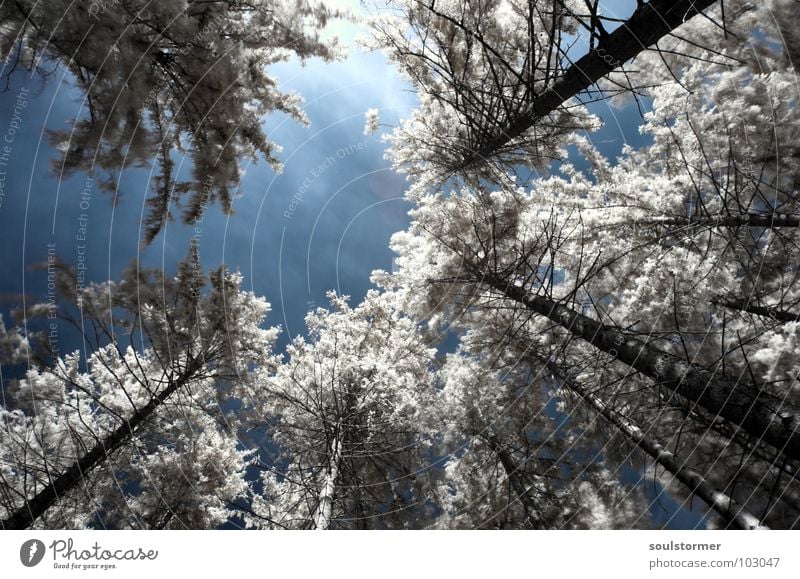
<point x="566" y="339"/>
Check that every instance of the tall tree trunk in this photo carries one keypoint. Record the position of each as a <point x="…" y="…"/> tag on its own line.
<point x="71" y="478"/>
<point x="512" y="470"/>
<point x="732" y="512"/>
<point x="646" y="26"/>
<point x="761" y="414"/>
<point x="327" y="493"/>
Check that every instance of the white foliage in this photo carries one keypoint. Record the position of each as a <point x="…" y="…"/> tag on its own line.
<point x="349" y="398"/>
<point x="371" y="121"/>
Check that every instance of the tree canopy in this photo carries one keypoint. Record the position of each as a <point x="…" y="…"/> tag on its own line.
<point x="560" y="328"/>
<point x="165" y="79"/>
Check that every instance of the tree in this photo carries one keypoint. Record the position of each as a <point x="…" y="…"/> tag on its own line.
<point x="161" y="78"/>
<point x="725" y="506"/>
<point x="512" y="463"/>
<point x="349" y="404"/>
<point x="143" y="436"/>
<point x="497" y="79"/>
<point x="500" y="251"/>
<point x="516" y="397"/>
<point x="723" y="162"/>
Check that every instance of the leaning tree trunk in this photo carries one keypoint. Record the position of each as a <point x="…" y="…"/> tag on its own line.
<point x="732" y="512"/>
<point x="775" y="220"/>
<point x="646" y="26"/>
<point x="512" y="470"/>
<point x="68" y="480"/>
<point x="762" y="415"/>
<point x="743" y="305"/>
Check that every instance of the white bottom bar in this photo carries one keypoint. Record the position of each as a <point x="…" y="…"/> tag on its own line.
<point x="619" y="554"/>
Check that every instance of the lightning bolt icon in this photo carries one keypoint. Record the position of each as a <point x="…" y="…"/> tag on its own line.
<point x="33" y="550"/>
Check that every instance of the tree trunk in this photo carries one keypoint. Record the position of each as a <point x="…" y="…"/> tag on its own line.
<point x="327" y="494"/>
<point x="646" y="26"/>
<point x="778" y="315"/>
<point x="762" y="415"/>
<point x="512" y="470"/>
<point x="767" y="220"/>
<point x="732" y="512"/>
<point x="68" y="480"/>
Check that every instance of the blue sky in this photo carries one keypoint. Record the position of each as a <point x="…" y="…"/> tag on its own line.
<point x="322" y="224"/>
